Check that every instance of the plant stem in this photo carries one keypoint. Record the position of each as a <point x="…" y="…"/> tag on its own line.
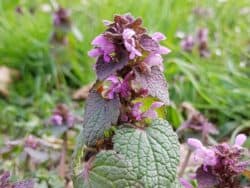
<point x="185" y="163"/>
<point x="62" y="165"/>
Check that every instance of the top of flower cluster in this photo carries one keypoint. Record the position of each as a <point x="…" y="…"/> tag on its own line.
<point x="126" y="42"/>
<point x="129" y="66"/>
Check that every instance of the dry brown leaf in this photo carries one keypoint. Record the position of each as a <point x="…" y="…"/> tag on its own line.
<point x="6" y="78"/>
<point x="82" y="93"/>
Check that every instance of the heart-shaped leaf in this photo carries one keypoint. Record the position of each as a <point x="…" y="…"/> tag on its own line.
<point x="99" y="115"/>
<point x="108" y="170"/>
<point x="153" y="151"/>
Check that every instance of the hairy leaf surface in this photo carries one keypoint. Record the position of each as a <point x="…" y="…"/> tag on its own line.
<point x="154" y="152"/>
<point x="155" y="83"/>
<point x="108" y="170"/>
<point x="100" y="114"/>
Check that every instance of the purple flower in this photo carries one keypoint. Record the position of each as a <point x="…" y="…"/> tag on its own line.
<point x="185" y="183"/>
<point x="103" y="47"/>
<point x="197" y="123"/>
<point x="136" y="112"/>
<point x="154" y="60"/>
<point x="31" y="142"/>
<point x="159" y="37"/>
<point x="56" y="119"/>
<point x="114" y="87"/>
<point x="239" y="140"/>
<point x="151" y="113"/>
<point x="125" y="89"/>
<point x="202" y="40"/>
<point x="221" y="164"/>
<point x="61" y="18"/>
<point x="62" y="116"/>
<point x="201" y="153"/>
<point x="202" y="35"/>
<point x="187" y="44"/>
<point x="129" y="43"/>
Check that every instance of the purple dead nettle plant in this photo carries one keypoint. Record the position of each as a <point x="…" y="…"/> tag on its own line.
<point x="59" y="44"/>
<point x="123" y="143"/>
<point x="196" y="125"/>
<point x="62" y="121"/>
<point x="30" y="151"/>
<point x="198" y="42"/>
<point x="221" y="164"/>
<point x="6" y="183"/>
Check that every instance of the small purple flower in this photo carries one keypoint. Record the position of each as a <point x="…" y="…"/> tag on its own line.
<point x="31" y="142"/>
<point x="154" y="60"/>
<point x="56" y="119"/>
<point x="201" y="153"/>
<point x="187" y="44"/>
<point x="125" y="89"/>
<point x="159" y="37"/>
<point x="185" y="183"/>
<point x="61" y="18"/>
<point x="62" y="116"/>
<point x="197" y="122"/>
<point x="114" y="87"/>
<point x="151" y="113"/>
<point x="129" y="43"/>
<point x="240" y="139"/>
<point x="202" y="35"/>
<point x="103" y="47"/>
<point x="202" y="40"/>
<point x="136" y="112"/>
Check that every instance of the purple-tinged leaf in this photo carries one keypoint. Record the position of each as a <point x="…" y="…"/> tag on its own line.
<point x="100" y="114"/>
<point x="104" y="69"/>
<point x="148" y="44"/>
<point x="155" y="83"/>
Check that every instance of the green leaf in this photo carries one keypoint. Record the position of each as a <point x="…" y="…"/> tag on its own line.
<point x="108" y="170"/>
<point x="78" y="155"/>
<point x="99" y="116"/>
<point x="153" y="151"/>
<point x="155" y="83"/>
<point x="176" y="184"/>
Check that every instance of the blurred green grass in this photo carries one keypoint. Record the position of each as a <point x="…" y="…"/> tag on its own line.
<point x="219" y="86"/>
